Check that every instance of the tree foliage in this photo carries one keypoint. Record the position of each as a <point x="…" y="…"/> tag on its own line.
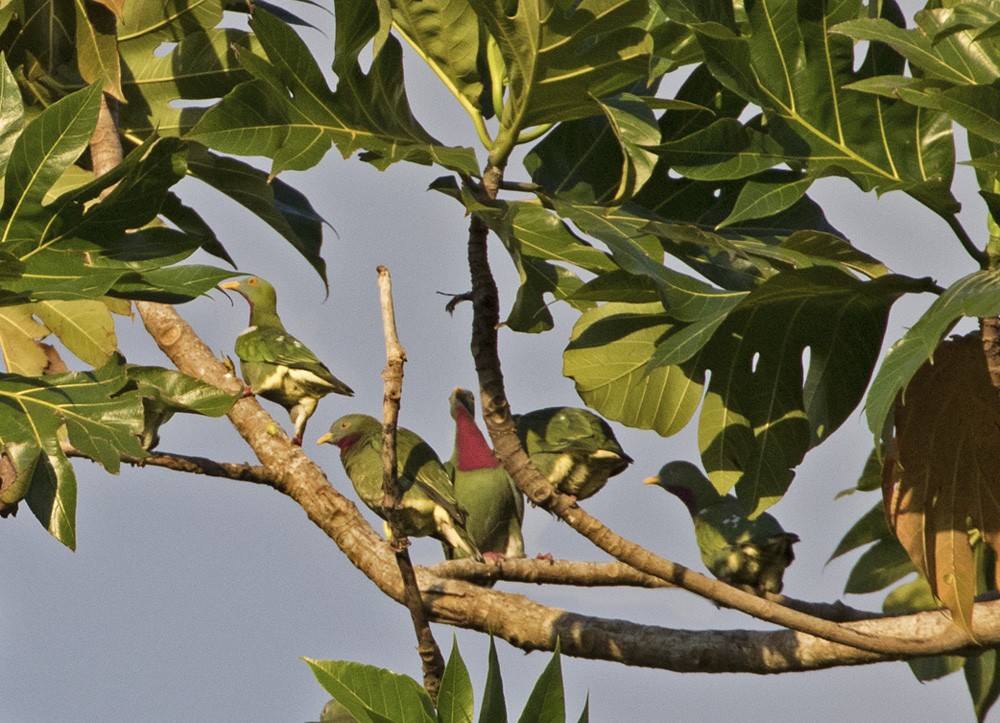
<point x="669" y="149"/>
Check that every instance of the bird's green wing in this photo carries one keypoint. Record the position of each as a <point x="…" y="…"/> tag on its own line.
<point x="276" y="346"/>
<point x="419" y="462"/>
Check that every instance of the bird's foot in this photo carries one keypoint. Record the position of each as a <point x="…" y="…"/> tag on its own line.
<point x="494" y="557"/>
<point x="297" y="440"/>
<point x="247" y="391"/>
<point x="544" y="556"/>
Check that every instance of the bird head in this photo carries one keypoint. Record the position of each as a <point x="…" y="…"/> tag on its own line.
<point x="687" y="482"/>
<point x="255" y="290"/>
<point x="462" y="398"/>
<point x="346" y="431"/>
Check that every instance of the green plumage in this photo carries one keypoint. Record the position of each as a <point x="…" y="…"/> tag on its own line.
<point x="494" y="504"/>
<point x="428" y="506"/>
<point x="734" y="548"/>
<point x="573" y="448"/>
<point x="276" y="365"/>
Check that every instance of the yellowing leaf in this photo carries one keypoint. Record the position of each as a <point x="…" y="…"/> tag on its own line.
<point x="19" y="335"/>
<point x="942" y="480"/>
<point x="85" y="326"/>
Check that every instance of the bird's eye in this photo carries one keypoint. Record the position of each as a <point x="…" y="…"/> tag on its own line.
<point x="252" y="282"/>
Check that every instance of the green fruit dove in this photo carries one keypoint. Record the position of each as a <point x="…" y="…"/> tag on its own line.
<point x="573" y="448"/>
<point x="735" y="549"/>
<point x="428" y="505"/>
<point x="494" y="504"/>
<point x="275" y="364"/>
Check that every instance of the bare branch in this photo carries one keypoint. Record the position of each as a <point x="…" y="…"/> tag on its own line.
<point x="430" y="654"/>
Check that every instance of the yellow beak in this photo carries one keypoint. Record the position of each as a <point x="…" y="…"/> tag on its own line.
<point x="325" y="438"/>
<point x="651" y="481"/>
<point x="230" y="285"/>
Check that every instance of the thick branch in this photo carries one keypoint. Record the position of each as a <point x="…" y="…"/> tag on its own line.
<point x="430" y="654"/>
<point x="515" y="618"/>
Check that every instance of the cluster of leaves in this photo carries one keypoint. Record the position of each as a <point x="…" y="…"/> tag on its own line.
<point x="376" y="695"/>
<point x="75" y="249"/>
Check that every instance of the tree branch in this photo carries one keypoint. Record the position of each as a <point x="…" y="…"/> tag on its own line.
<point x="430" y="654"/>
<point x="515" y="618"/>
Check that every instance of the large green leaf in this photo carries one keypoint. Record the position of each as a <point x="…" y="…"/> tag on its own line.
<point x="49" y="144"/>
<point x="164" y="89"/>
<point x="455" y="700"/>
<point x="494" y="707"/>
<point x="374" y="694"/>
<point x="604" y="42"/>
<point x="762" y="412"/>
<point x="276" y="203"/>
<point x="165" y="392"/>
<point x="290" y="115"/>
<point x="446" y="34"/>
<point x="608" y="358"/>
<point x="547" y="702"/>
<point x="20" y="333"/>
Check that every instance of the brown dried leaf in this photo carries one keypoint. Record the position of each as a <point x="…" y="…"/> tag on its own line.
<point x="942" y="479"/>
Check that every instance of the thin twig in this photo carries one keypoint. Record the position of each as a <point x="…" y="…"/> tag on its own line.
<point x="430" y="654"/>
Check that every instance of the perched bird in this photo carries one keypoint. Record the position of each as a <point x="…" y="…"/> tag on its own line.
<point x="735" y="549"/>
<point x="275" y="364"/>
<point x="428" y="506"/>
<point x="494" y="504"/>
<point x="573" y="448"/>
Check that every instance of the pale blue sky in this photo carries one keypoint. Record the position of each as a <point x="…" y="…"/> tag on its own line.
<point x="191" y="599"/>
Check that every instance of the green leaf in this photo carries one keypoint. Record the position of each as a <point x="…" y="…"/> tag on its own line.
<point x="724" y="150"/>
<point x="100" y="418"/>
<point x="165" y="392"/>
<point x="544" y="38"/>
<point x="767" y="196"/>
<point x="976" y="295"/>
<point x="49" y="144"/>
<point x="11" y="113"/>
<point x="19" y="336"/>
<point x="763" y="411"/>
<point x="608" y="356"/>
<point x="85" y="326"/>
<point x="547" y="704"/>
<point x="870" y="528"/>
<point x="163" y="89"/>
<point x="879" y="566"/>
<point x="634" y="125"/>
<point x="982" y="676"/>
<point x="455" y="703"/>
<point x="953" y="59"/>
<point x="494" y="708"/>
<point x="447" y="36"/>
<point x="290" y="115"/>
<point x="275" y="202"/>
<point x="52" y="494"/>
<point x="97" y="47"/>
<point x="373" y="694"/>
